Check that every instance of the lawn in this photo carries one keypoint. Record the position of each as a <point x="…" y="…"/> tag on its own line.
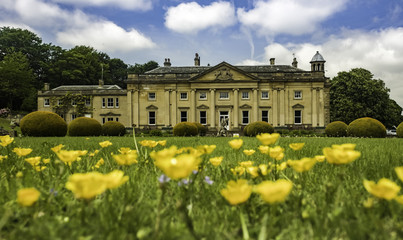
<point x="326" y="202"/>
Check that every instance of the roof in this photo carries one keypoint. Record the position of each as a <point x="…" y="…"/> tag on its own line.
<point x="86" y="87"/>
<point x="317" y="58"/>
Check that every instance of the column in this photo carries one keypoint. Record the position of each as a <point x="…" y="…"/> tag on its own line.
<point x="321" y="109"/>
<point x="167" y="113"/>
<point x="255" y="109"/>
<point x="275" y="108"/>
<point x="287" y="106"/>
<point x="193" y="105"/>
<point x="236" y="108"/>
<point x="212" y="108"/>
<point x="130" y="107"/>
<point x="314" y="108"/>
<point x="136" y="108"/>
<point x="282" y="107"/>
<point x="173" y="107"/>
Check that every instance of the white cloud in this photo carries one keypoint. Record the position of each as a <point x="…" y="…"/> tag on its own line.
<point x="295" y="17"/>
<point x="123" y="4"/>
<point x="189" y="18"/>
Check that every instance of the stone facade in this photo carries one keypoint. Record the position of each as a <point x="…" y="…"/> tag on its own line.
<point x="283" y="95"/>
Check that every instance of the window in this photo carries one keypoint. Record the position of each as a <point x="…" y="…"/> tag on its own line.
<point x="117" y="119"/>
<point x="265" y="95"/>
<point x="103" y="103"/>
<point x="203" y="96"/>
<point x="152" y="96"/>
<point x="203" y="117"/>
<point x="46" y="102"/>
<point x="245" y="117"/>
<point x="62" y="116"/>
<point x="73" y="102"/>
<point x="151" y="118"/>
<point x="184" y="116"/>
<point x="103" y="120"/>
<point x="87" y="102"/>
<point x="265" y="116"/>
<point x="245" y="95"/>
<point x="297" y="94"/>
<point x="110" y="119"/>
<point x="298" y="117"/>
<point x="73" y="116"/>
<point x="224" y="95"/>
<point x="59" y="102"/>
<point x="117" y="103"/>
<point x="110" y="102"/>
<point x="184" y="96"/>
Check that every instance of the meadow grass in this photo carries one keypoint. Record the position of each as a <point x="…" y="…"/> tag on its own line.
<point x="325" y="202"/>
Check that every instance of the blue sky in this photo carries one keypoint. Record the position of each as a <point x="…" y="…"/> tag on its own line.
<point x="348" y="33"/>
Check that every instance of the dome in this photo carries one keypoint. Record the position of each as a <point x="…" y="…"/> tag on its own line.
<point x="317" y="58"/>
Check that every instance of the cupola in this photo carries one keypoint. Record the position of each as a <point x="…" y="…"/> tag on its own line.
<point x="317" y="63"/>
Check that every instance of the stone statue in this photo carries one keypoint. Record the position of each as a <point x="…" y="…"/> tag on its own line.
<point x="223" y="128"/>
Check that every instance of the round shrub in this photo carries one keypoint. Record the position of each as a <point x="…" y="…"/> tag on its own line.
<point x="156" y="132"/>
<point x="185" y="129"/>
<point x="399" y="130"/>
<point x="245" y="130"/>
<point x="43" y="124"/>
<point x="336" y="129"/>
<point x="201" y="129"/>
<point x="113" y="128"/>
<point x="259" y="127"/>
<point x="84" y="126"/>
<point x="366" y="127"/>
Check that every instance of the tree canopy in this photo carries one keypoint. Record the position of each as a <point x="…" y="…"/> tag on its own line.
<point x="357" y="94"/>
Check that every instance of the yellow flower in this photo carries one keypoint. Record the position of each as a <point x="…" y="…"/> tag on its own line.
<point x="105" y="144"/>
<point x="2" y="158"/>
<point x="57" y="148"/>
<point x="253" y="170"/>
<point x="368" y="203"/>
<point x="148" y="143"/>
<point x="178" y="167"/>
<point x="167" y="153"/>
<point x="39" y="168"/>
<point x="27" y="196"/>
<point x="93" y="153"/>
<point x="267" y="138"/>
<point x="207" y="148"/>
<point x="22" y="151"/>
<point x="216" y="161"/>
<point x="320" y="158"/>
<point x="263" y="169"/>
<point x="276" y="152"/>
<point x="249" y="152"/>
<point x="68" y="156"/>
<point x="399" y="172"/>
<point x="238" y="170"/>
<point x="86" y="185"/>
<point x="341" y="154"/>
<point x="264" y="149"/>
<point x="115" y="178"/>
<point x="305" y="164"/>
<point x="246" y="164"/>
<point x="99" y="163"/>
<point x="126" y="159"/>
<point x="46" y="160"/>
<point x="19" y="174"/>
<point x="235" y="144"/>
<point x="296" y="146"/>
<point x="385" y="188"/>
<point x="237" y="192"/>
<point x="399" y="199"/>
<point x="273" y="192"/>
<point x="282" y="166"/>
<point x="6" y="140"/>
<point x="162" y="142"/>
<point x="34" y="161"/>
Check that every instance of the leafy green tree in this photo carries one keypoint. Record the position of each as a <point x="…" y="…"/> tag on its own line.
<point x="16" y="78"/>
<point x="356" y="94"/>
<point x="118" y="72"/>
<point x="142" y="68"/>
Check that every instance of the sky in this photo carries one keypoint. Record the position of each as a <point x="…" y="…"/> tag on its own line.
<point x="348" y="33"/>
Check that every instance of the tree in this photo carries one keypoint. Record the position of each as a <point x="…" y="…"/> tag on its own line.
<point x="356" y="94"/>
<point x="142" y="68"/>
<point x="118" y="72"/>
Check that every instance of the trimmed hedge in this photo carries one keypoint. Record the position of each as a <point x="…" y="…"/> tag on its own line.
<point x="201" y="129"/>
<point x="399" y="130"/>
<point x="258" y="127"/>
<point x="43" y="124"/>
<point x="336" y="129"/>
<point x="84" y="126"/>
<point x="366" y="127"/>
<point x="113" y="128"/>
<point x="185" y="129"/>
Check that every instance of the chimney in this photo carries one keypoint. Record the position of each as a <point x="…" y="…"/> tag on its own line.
<point x="46" y="87"/>
<point x="272" y="61"/>
<point x="197" y="60"/>
<point x="295" y="63"/>
<point x="167" y="62"/>
<point x="101" y="83"/>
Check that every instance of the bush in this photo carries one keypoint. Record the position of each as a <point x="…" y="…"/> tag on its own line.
<point x="201" y="129"/>
<point x="43" y="124"/>
<point x="399" y="130"/>
<point x="336" y="129"/>
<point x="185" y="129"/>
<point x="113" y="128"/>
<point x="245" y="130"/>
<point x="366" y="127"/>
<point x="156" y="133"/>
<point x="259" y="127"/>
<point x="84" y="126"/>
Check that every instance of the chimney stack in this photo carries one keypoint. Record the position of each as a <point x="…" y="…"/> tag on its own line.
<point x="101" y="83"/>
<point x="197" y="60"/>
<point x="167" y="62"/>
<point x="46" y="87"/>
<point x="295" y="63"/>
<point x="272" y="61"/>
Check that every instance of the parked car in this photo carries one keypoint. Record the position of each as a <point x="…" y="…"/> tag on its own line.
<point x="391" y="132"/>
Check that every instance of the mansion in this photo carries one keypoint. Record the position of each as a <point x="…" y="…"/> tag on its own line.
<point x="282" y="95"/>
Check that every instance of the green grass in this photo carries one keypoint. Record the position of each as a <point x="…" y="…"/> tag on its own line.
<point x="325" y="203"/>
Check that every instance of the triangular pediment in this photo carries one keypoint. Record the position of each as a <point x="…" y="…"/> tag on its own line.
<point x="202" y="107"/>
<point x="298" y="106"/>
<point x="224" y="72"/>
<point x="152" y="107"/>
<point x="110" y="114"/>
<point x="245" y="106"/>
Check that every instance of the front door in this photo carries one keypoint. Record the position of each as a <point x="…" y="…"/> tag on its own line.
<point x="224" y="119"/>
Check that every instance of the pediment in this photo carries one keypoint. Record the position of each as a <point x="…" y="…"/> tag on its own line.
<point x="152" y="107"/>
<point x="298" y="106"/>
<point x="224" y="72"/>
<point x="245" y="106"/>
<point x="203" y="107"/>
<point x="110" y="114"/>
